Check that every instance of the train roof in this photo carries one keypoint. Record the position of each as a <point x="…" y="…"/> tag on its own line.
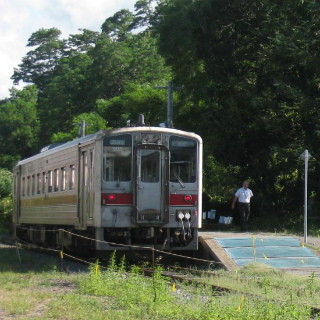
<point x="101" y="133"/>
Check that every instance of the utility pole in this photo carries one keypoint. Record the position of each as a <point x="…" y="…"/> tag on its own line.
<point x="305" y="155"/>
<point x="170" y="88"/>
<point x="83" y="126"/>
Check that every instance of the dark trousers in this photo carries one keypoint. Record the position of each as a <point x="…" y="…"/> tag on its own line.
<point x="244" y="211"/>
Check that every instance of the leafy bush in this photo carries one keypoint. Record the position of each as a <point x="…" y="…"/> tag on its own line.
<point x="6" y="206"/>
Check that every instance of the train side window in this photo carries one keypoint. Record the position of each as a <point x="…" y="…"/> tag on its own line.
<point x="50" y="181"/>
<point x="56" y="180"/>
<point x="28" y="185"/>
<point x="38" y="183"/>
<point x="23" y="186"/>
<point x="44" y="182"/>
<point x="72" y="177"/>
<point x="63" y="179"/>
<point x="33" y="184"/>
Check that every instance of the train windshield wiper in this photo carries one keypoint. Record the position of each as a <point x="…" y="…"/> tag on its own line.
<point x="179" y="179"/>
<point x="118" y="181"/>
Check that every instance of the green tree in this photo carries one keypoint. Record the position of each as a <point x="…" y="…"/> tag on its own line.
<point x="66" y="95"/>
<point x="38" y="64"/>
<point x="251" y="74"/>
<point x="136" y="99"/>
<point x="120" y="25"/>
<point x="19" y="126"/>
<point x="6" y="182"/>
<point x="81" y="42"/>
<point x="93" y="122"/>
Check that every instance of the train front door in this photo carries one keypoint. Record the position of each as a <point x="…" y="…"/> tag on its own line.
<point x="152" y="185"/>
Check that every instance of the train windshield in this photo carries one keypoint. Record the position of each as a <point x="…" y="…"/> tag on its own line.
<point x="117" y="158"/>
<point x="183" y="155"/>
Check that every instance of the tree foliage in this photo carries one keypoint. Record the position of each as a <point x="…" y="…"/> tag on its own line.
<point x="37" y="66"/>
<point x="135" y="100"/>
<point x="250" y="72"/>
<point x="93" y="123"/>
<point x="19" y="126"/>
<point x="6" y="182"/>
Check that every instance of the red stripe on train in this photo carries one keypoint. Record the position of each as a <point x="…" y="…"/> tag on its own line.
<point x="183" y="200"/>
<point x="117" y="198"/>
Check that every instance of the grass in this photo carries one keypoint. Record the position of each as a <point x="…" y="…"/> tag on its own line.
<point x="271" y="284"/>
<point x="44" y="287"/>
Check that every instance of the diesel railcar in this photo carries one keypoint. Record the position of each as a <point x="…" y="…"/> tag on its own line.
<point x="138" y="186"/>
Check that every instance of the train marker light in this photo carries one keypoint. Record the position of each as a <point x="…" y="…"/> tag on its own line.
<point x="188" y="198"/>
<point x="112" y="197"/>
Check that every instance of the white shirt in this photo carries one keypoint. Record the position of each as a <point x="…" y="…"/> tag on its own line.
<point x="244" y="195"/>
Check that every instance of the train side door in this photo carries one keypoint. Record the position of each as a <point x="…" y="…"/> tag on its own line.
<point x="151" y="187"/>
<point x="86" y="191"/>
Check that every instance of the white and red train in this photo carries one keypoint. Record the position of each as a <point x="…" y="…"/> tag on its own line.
<point x="138" y="186"/>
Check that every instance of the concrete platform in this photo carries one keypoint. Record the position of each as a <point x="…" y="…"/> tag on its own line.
<point x="235" y="249"/>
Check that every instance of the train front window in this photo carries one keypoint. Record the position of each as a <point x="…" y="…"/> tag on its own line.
<point x="117" y="158"/>
<point x="183" y="164"/>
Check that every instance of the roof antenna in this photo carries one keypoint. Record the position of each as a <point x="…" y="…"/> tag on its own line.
<point x="141" y="122"/>
<point x="83" y="125"/>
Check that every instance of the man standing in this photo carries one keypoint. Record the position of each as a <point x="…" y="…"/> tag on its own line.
<point x="243" y="195"/>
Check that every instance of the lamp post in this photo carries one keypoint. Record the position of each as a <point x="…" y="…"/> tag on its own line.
<point x="305" y="156"/>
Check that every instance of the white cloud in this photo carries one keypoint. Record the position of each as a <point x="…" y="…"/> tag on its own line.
<point x="20" y="18"/>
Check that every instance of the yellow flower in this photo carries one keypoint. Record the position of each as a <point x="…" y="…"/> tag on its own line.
<point x="241" y="303"/>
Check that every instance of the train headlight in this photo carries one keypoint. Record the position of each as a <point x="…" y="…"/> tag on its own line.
<point x="180" y="215"/>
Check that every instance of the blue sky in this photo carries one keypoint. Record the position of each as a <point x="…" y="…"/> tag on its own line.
<point x="19" y="18"/>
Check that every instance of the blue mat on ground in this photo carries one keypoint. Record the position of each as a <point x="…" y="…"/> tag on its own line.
<point x="277" y="252"/>
<point x="259" y="242"/>
<point x="269" y="252"/>
<point x="284" y="263"/>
